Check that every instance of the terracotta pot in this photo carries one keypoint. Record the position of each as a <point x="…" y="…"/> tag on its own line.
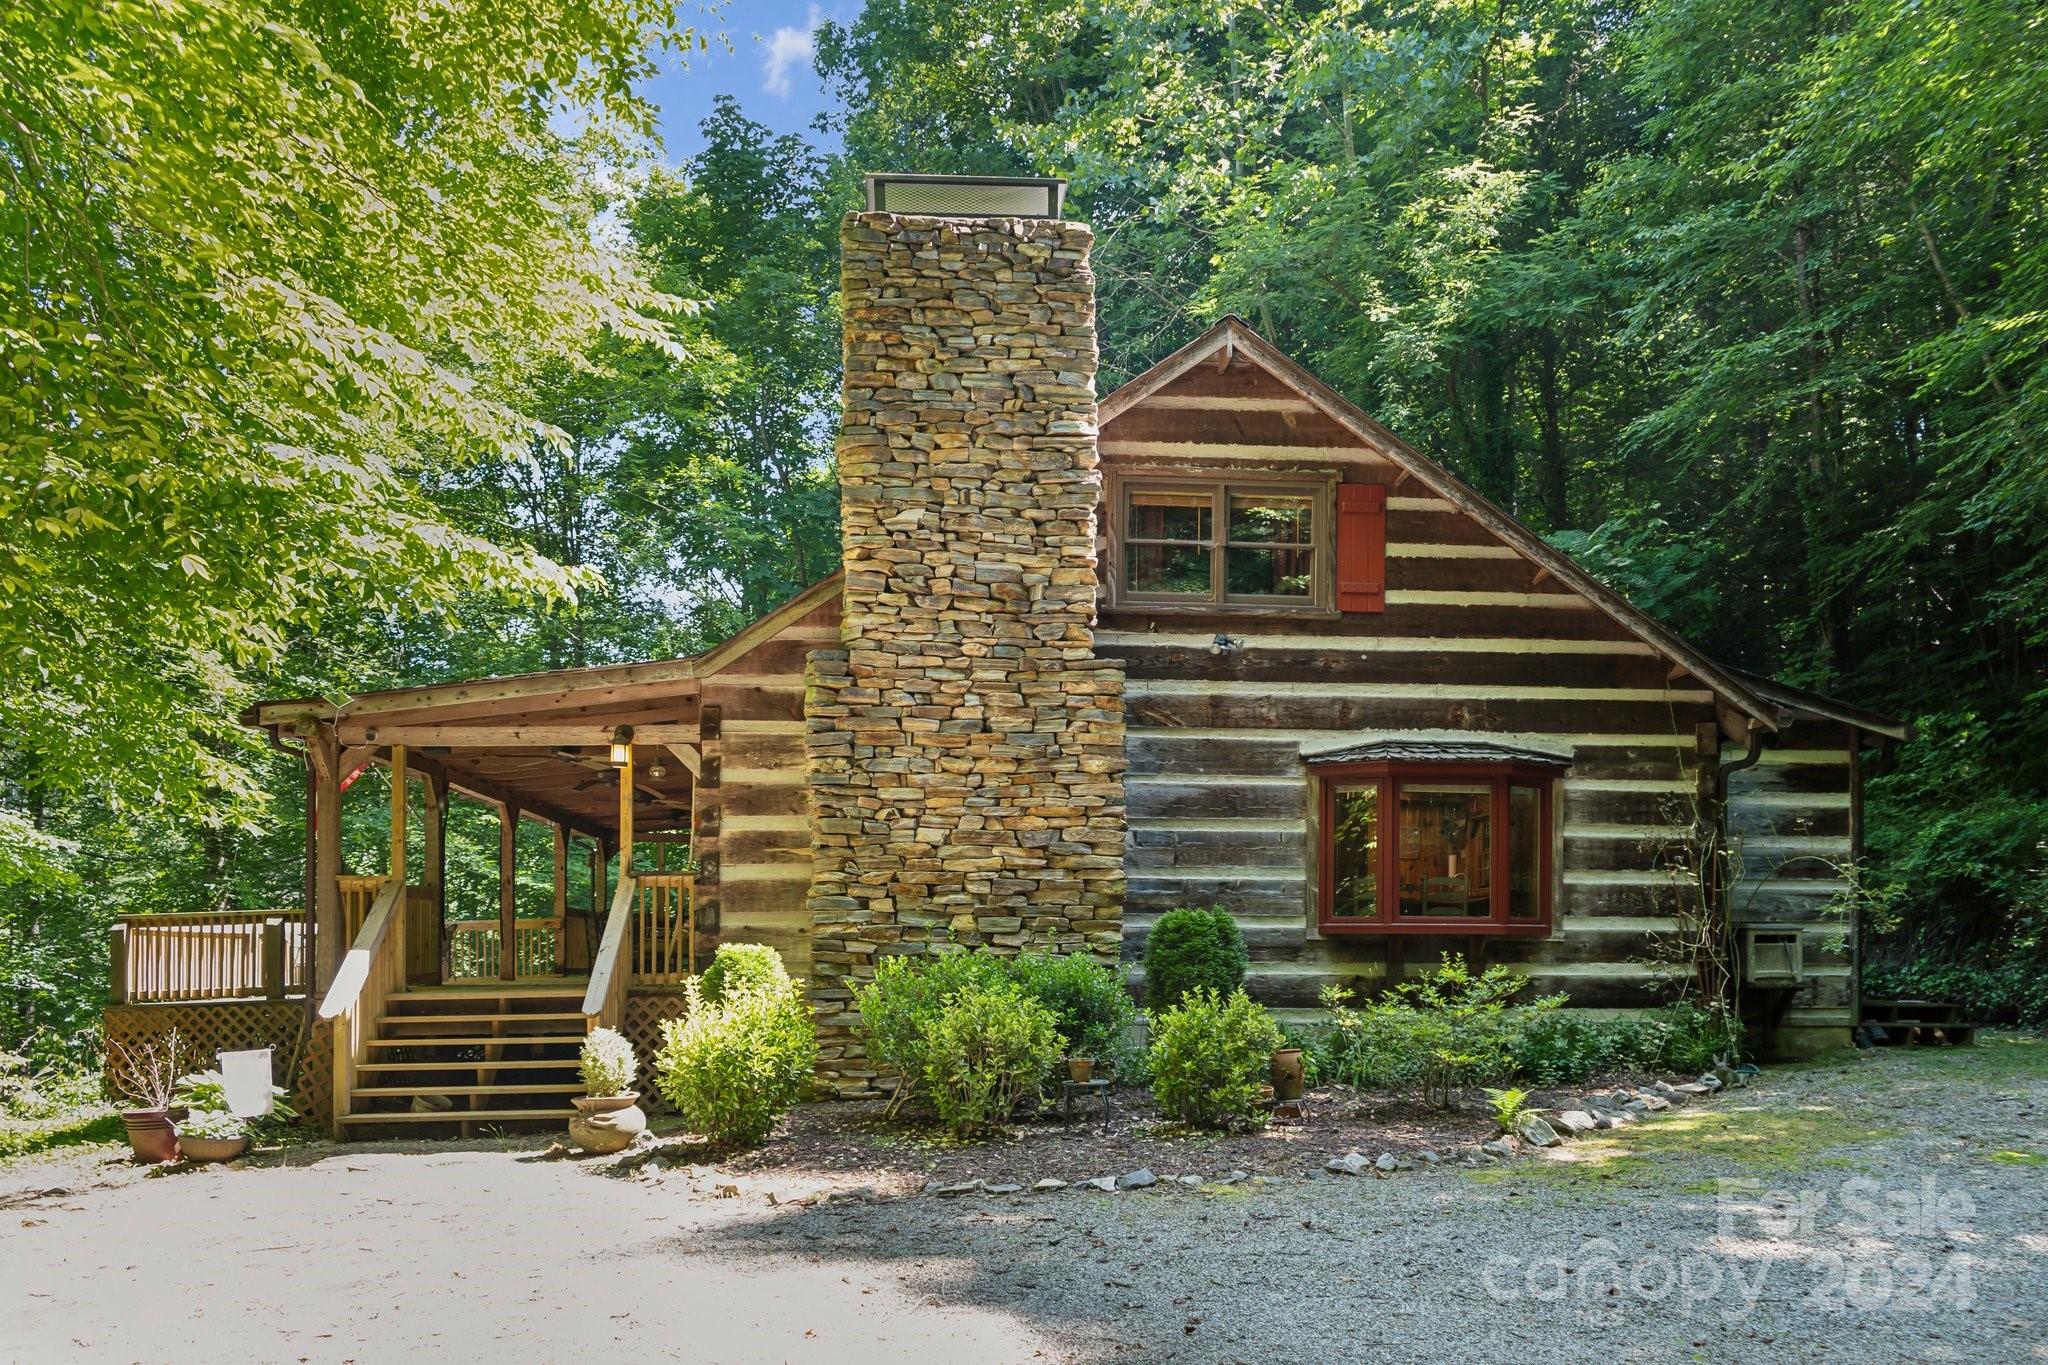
<point x="1080" y="1069"/>
<point x="211" y="1149"/>
<point x="607" y="1123"/>
<point x="150" y="1134"/>
<point x="1288" y="1077"/>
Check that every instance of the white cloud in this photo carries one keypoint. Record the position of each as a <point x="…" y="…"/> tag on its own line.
<point x="788" y="46"/>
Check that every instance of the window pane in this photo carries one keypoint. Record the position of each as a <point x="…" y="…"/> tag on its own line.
<point x="1525" y="853"/>
<point x="1267" y="573"/>
<point x="1355" y="853"/>
<point x="1447" y="851"/>
<point x="1167" y="568"/>
<point x="1169" y="516"/>
<point x="1271" y="518"/>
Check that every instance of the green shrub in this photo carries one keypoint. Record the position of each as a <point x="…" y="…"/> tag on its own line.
<point x="988" y="1048"/>
<point x="607" y="1063"/>
<point x="1563" y="1047"/>
<point x="1695" y="1037"/>
<point x="1192" y="949"/>
<point x="1210" y="1056"/>
<point x="1447" y="1029"/>
<point x="742" y="965"/>
<point x="1383" y="1045"/>
<point x="207" y="1092"/>
<point x="733" y="1068"/>
<point x="1090" y="1007"/>
<point x="906" y="995"/>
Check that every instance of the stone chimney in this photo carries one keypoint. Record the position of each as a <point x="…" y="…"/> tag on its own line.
<point x="965" y="745"/>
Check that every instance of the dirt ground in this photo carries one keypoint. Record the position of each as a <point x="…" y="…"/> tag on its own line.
<point x="497" y="1251"/>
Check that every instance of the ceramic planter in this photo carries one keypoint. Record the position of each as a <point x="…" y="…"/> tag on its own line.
<point x="1080" y="1069"/>
<point x="212" y="1149"/>
<point x="1288" y="1077"/>
<point x="150" y="1134"/>
<point x="607" y="1123"/>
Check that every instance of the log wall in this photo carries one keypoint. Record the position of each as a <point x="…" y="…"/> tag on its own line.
<point x="1473" y="637"/>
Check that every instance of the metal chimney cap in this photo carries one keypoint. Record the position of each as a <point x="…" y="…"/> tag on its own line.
<point x="967" y="196"/>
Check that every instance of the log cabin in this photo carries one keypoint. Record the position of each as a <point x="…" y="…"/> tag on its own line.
<point x="1217" y="638"/>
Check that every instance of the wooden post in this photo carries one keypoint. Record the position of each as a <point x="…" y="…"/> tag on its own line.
<point x="626" y="816"/>
<point x="328" y="948"/>
<point x="312" y="893"/>
<point x="117" y="964"/>
<point x="398" y="814"/>
<point x="273" y="958"/>
<point x="561" y="900"/>
<point x="508" y="838"/>
<point x="434" y="854"/>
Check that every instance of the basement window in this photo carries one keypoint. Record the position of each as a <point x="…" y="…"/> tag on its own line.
<point x="1207" y="544"/>
<point x="1436" y="847"/>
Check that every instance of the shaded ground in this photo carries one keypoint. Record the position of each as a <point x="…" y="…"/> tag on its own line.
<point x="1628" y="1247"/>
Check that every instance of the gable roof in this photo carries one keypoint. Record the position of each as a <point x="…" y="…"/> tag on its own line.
<point x="1764" y="705"/>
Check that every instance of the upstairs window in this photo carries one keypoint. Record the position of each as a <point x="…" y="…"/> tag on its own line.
<point x="1211" y="543"/>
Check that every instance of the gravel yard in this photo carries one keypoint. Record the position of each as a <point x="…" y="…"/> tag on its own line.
<point x="1891" y="1206"/>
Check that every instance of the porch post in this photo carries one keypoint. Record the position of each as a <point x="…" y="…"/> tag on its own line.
<point x="398" y="814"/>
<point x="626" y="816"/>
<point x="561" y="900"/>
<point x="435" y="855"/>
<point x="327" y="945"/>
<point x="508" y="831"/>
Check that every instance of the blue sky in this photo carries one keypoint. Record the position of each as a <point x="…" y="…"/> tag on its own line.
<point x="763" y="60"/>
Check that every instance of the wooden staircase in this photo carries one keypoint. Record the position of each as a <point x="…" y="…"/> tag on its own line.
<point x="502" y="1055"/>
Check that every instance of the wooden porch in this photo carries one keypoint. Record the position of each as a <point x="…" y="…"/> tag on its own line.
<point x="417" y="1015"/>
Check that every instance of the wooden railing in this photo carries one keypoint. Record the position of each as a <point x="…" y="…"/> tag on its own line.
<point x="663" y="946"/>
<point x="475" y="945"/>
<point x="208" y="955"/>
<point x="357" y="895"/>
<point x="604" y="1000"/>
<point x="371" y="974"/>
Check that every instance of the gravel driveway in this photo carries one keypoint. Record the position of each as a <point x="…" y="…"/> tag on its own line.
<point x="1883" y="1207"/>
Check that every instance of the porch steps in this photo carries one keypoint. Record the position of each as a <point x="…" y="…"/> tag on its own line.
<point x="482" y="1040"/>
<point x="502" y="1056"/>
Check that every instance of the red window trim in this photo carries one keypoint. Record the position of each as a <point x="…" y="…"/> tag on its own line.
<point x="1390" y="777"/>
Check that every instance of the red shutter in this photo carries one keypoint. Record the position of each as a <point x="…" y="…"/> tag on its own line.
<point x="1361" y="547"/>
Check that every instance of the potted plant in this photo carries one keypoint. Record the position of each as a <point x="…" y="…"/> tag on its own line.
<point x="142" y="1075"/>
<point x="1080" y="1069"/>
<point x="207" y="1092"/>
<point x="213" y="1135"/>
<point x="608" y="1113"/>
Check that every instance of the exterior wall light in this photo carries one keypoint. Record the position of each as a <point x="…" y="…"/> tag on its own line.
<point x="622" y="746"/>
<point x="967" y="196"/>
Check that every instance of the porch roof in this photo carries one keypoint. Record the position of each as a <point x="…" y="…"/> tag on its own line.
<point x="535" y="741"/>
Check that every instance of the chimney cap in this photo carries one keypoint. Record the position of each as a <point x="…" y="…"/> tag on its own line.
<point x="967" y="196"/>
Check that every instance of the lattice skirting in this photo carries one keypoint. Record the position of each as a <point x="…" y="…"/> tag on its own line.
<point x="313" y="1090"/>
<point x="645" y="1013"/>
<point x="210" y="1026"/>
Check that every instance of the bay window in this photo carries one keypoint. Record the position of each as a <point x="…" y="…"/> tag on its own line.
<point x="1445" y="848"/>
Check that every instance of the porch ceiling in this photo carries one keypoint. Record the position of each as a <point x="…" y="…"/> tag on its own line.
<point x="538" y="741"/>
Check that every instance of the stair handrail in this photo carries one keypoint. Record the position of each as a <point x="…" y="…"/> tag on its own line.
<point x="371" y="973"/>
<point x="604" y="1000"/>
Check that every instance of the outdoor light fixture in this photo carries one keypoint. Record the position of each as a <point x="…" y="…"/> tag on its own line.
<point x="967" y="196"/>
<point x="622" y="746"/>
<point x="658" y="771"/>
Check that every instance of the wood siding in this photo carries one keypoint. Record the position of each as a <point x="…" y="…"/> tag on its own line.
<point x="1474" y="637"/>
<point x="753" y="818"/>
<point x="1791" y="823"/>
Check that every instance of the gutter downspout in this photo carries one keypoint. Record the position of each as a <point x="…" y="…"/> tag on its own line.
<point x="1757" y="738"/>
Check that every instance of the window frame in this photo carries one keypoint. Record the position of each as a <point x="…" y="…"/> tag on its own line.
<point x="1220" y="487"/>
<point x="1390" y="777"/>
